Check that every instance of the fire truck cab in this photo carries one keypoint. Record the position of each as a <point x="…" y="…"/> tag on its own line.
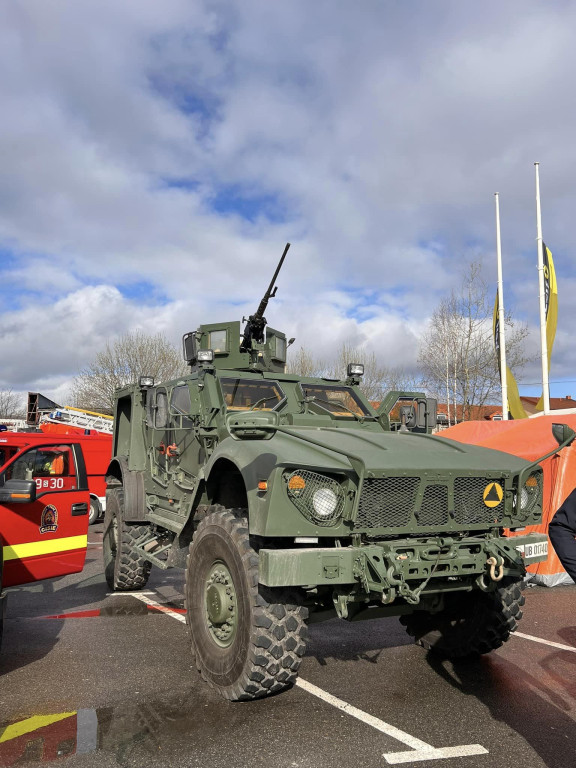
<point x="44" y="505"/>
<point x="93" y="430"/>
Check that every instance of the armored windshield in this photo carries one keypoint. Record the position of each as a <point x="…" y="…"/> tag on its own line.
<point x="243" y="394"/>
<point x="338" y="400"/>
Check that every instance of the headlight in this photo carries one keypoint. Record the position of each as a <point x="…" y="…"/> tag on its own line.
<point x="530" y="493"/>
<point x="319" y="498"/>
<point x="324" y="502"/>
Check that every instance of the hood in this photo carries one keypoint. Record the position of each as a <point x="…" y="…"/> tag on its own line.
<point x="378" y="451"/>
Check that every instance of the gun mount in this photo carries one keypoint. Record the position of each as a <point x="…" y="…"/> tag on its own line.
<point x="257" y="348"/>
<point x="254" y="328"/>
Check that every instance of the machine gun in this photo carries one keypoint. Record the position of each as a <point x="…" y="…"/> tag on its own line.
<point x="254" y="328"/>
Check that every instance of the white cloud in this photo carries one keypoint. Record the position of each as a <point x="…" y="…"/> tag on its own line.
<point x="379" y="131"/>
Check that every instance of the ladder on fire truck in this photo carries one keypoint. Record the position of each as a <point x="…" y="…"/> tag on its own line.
<point x="77" y="417"/>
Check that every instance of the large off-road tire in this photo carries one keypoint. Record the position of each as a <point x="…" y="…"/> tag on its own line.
<point x="124" y="569"/>
<point x="472" y="623"/>
<point x="248" y="640"/>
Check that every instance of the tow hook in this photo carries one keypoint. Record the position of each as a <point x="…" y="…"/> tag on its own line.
<point x="495" y="562"/>
<point x="388" y="596"/>
<point x="492" y="562"/>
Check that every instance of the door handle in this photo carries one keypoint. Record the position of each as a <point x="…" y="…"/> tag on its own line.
<point x="79" y="509"/>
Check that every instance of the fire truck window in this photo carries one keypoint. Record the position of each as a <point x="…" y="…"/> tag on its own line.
<point x="6" y="454"/>
<point x="47" y="461"/>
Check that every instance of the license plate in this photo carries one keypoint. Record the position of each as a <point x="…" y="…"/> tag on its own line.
<point x="537" y="550"/>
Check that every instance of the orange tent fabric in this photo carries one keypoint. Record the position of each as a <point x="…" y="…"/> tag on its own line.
<point x="530" y="439"/>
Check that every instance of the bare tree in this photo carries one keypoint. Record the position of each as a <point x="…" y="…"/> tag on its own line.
<point x="303" y="363"/>
<point x="377" y="380"/>
<point x="123" y="362"/>
<point x="11" y="405"/>
<point x="457" y="352"/>
<point x="374" y="381"/>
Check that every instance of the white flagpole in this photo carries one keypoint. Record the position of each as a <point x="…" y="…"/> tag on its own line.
<point x="543" y="340"/>
<point x="503" y="377"/>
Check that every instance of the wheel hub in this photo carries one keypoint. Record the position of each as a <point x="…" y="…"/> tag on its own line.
<point x="221" y="605"/>
<point x="216" y="603"/>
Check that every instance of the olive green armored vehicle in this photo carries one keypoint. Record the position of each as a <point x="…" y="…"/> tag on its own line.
<point x="288" y="499"/>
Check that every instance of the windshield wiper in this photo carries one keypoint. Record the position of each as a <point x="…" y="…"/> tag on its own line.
<point x="332" y="404"/>
<point x="262" y="400"/>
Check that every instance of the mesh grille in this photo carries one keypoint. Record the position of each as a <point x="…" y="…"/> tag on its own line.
<point x="469" y="506"/>
<point x="434" y="509"/>
<point x="387" y="501"/>
<point x="531" y="492"/>
<point x="313" y="493"/>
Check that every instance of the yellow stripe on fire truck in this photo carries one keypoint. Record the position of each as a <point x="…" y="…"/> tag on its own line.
<point x="46" y="547"/>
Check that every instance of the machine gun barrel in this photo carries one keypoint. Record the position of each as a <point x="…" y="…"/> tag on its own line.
<point x="271" y="292"/>
<point x="254" y="328"/>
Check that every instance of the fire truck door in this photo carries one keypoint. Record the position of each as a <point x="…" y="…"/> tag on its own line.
<point x="48" y="536"/>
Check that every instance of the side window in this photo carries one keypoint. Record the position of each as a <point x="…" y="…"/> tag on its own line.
<point x="51" y="466"/>
<point x="150" y="407"/>
<point x="157" y="409"/>
<point x="161" y="416"/>
<point x="6" y="454"/>
<point x="181" y="406"/>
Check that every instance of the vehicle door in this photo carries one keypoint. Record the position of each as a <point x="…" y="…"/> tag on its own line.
<point x="185" y="454"/>
<point x="159" y="437"/>
<point x="44" y="505"/>
<point x="174" y="448"/>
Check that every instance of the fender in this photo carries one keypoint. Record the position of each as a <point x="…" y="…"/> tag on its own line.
<point x="133" y="483"/>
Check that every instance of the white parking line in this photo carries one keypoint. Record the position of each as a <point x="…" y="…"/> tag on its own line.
<point x="165" y="609"/>
<point x="420" y="750"/>
<point x="544" y="642"/>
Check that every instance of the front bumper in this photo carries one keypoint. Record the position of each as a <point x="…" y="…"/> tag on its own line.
<point x="379" y="567"/>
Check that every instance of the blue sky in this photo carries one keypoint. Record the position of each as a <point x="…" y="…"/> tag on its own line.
<point x="156" y="157"/>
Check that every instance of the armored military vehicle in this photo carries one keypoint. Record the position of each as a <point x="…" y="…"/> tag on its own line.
<point x="287" y="498"/>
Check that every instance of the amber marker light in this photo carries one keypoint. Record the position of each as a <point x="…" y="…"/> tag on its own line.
<point x="262" y="485"/>
<point x="532" y="482"/>
<point x="296" y="483"/>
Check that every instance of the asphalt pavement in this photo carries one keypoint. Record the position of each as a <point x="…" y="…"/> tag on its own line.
<point x="93" y="679"/>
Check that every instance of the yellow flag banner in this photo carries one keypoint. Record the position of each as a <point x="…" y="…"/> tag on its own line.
<point x="514" y="403"/>
<point x="551" y="308"/>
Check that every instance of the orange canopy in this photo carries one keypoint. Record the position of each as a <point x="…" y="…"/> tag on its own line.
<point x="530" y="439"/>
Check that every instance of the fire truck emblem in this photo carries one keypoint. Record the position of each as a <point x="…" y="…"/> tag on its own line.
<point x="49" y="519"/>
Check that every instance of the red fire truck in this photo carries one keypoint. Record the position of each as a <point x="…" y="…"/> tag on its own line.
<point x="97" y="450"/>
<point x="93" y="430"/>
<point x="44" y="504"/>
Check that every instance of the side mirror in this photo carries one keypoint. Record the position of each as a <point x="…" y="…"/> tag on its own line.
<point x="189" y="347"/>
<point x="408" y="416"/>
<point x="18" y="492"/>
<point x="427" y="414"/>
<point x="563" y="433"/>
